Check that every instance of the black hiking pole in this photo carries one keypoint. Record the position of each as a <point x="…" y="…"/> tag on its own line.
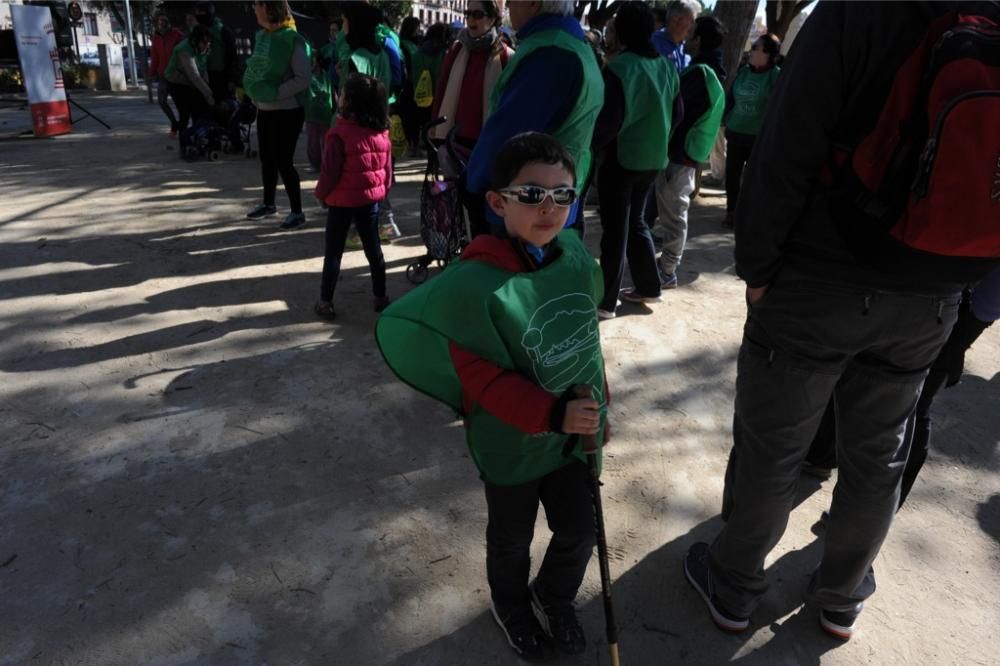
<point x="590" y="449"/>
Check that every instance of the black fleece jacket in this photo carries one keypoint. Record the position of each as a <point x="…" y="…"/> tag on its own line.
<point x="831" y="90"/>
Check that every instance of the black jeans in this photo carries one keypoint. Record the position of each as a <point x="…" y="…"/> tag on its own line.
<point x="163" y="99"/>
<point x="338" y="224"/>
<point x="623" y="196"/>
<point x="190" y="104"/>
<point x="807" y="340"/>
<point x="565" y="494"/>
<point x="738" y="149"/>
<point x="277" y="134"/>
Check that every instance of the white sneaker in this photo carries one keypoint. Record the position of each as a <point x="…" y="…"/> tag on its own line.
<point x="605" y="314"/>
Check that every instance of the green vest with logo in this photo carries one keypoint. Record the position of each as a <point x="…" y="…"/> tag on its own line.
<point x="650" y="86"/>
<point x="701" y="135"/>
<point x="319" y="103"/>
<point x="371" y="64"/>
<point x="577" y="130"/>
<point x="750" y="92"/>
<point x="267" y="67"/>
<point x="184" y="46"/>
<point x="542" y="325"/>
<point x="217" y="54"/>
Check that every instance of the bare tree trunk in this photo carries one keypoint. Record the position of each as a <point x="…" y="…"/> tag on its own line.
<point x="781" y="13"/>
<point x="737" y="16"/>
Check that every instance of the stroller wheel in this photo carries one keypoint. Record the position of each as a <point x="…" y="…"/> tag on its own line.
<point x="213" y="156"/>
<point x="416" y="272"/>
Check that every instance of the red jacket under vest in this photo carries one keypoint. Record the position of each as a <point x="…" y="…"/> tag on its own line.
<point x="357" y="165"/>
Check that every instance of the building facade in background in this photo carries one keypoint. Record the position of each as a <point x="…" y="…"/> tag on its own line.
<point x="444" y="11"/>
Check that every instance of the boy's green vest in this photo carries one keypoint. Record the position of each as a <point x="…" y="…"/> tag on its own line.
<point x="577" y="131"/>
<point x="750" y="91"/>
<point x="651" y="86"/>
<point x="266" y="68"/>
<point x="185" y="47"/>
<point x="217" y="54"/>
<point x="701" y="135"/>
<point x="542" y="325"/>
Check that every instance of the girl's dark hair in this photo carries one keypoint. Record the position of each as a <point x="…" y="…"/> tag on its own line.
<point x="528" y="148"/>
<point x="366" y="101"/>
<point x="771" y="45"/>
<point x="634" y="26"/>
<point x="277" y="10"/>
<point x="410" y="28"/>
<point x="199" y="34"/>
<point x="710" y="31"/>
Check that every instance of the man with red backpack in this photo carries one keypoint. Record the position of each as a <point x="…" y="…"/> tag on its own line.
<point x="869" y="203"/>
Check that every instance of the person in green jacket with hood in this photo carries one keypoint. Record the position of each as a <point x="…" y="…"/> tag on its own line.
<point x="222" y="60"/>
<point x="632" y="130"/>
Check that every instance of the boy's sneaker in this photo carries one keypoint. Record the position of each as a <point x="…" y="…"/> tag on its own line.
<point x="839" y="624"/>
<point x="632" y="296"/>
<point x="605" y="314"/>
<point x="381" y="303"/>
<point x="559" y="622"/>
<point x="698" y="573"/>
<point x="524" y="634"/>
<point x="293" y="221"/>
<point x="668" y="280"/>
<point x="261" y="211"/>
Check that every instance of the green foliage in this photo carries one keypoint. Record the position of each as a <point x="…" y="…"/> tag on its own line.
<point x="11" y="81"/>
<point x="395" y="10"/>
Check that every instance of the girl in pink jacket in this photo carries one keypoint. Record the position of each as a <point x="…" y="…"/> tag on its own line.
<point x="354" y="178"/>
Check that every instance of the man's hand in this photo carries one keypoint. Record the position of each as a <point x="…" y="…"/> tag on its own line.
<point x="754" y="294"/>
<point x="582" y="417"/>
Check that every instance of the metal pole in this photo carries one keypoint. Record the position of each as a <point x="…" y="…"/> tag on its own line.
<point x="132" y="55"/>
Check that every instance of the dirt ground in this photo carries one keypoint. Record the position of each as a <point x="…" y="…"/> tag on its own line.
<point x="197" y="471"/>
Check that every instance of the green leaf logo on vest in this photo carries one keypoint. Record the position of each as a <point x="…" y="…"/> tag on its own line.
<point x="562" y="342"/>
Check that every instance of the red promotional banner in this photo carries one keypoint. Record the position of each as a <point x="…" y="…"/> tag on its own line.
<point x="43" y="79"/>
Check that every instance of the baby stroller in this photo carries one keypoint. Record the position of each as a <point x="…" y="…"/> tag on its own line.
<point x="442" y="218"/>
<point x="226" y="130"/>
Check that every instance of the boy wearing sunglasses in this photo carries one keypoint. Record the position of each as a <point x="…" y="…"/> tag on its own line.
<point x="507" y="337"/>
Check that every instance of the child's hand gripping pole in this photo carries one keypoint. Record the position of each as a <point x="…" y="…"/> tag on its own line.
<point x="590" y="448"/>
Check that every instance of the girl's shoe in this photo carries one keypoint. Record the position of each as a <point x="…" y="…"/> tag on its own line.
<point x="260" y="211"/>
<point x="389" y="231"/>
<point x="324" y="310"/>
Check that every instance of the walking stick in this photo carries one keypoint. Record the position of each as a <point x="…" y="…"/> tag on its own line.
<point x="590" y="449"/>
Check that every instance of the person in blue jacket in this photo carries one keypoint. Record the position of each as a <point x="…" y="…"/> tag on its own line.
<point x="553" y="74"/>
<point x="669" y="40"/>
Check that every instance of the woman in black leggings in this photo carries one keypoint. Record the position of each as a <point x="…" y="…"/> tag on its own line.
<point x="277" y="75"/>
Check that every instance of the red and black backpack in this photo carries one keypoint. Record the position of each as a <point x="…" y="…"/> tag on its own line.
<point x="929" y="172"/>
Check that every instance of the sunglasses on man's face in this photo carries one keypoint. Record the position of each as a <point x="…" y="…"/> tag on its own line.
<point x="476" y="14"/>
<point x="533" y="195"/>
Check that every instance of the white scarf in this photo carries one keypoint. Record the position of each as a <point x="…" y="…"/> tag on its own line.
<point x="453" y="89"/>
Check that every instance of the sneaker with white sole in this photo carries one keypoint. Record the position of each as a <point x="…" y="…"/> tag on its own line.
<point x="293" y="221"/>
<point x="524" y="635"/>
<point x="632" y="296"/>
<point x="699" y="575"/>
<point x="605" y="314"/>
<point x="559" y="623"/>
<point x="839" y="624"/>
<point x="260" y="211"/>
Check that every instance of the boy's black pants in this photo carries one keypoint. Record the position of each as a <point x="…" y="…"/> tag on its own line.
<point x="565" y="494"/>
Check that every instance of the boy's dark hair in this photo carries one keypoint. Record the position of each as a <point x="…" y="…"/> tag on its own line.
<point x="710" y="31"/>
<point x="771" y="45"/>
<point x="410" y="28"/>
<point x="634" y="27"/>
<point x="528" y="148"/>
<point x="366" y="101"/>
<point x="198" y="35"/>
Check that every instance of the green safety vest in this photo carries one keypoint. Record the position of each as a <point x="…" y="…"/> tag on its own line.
<point x="319" y="102"/>
<point x="701" y="135"/>
<point x="750" y="91"/>
<point x="217" y="54"/>
<point x="577" y="131"/>
<point x="185" y="47"/>
<point x="650" y="86"/>
<point x="266" y="68"/>
<point x="371" y="64"/>
<point x="424" y="77"/>
<point x="542" y="325"/>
